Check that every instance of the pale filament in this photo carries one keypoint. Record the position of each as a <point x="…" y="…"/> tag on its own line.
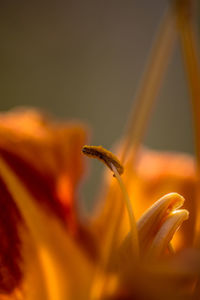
<point x="190" y="53"/>
<point x="132" y="221"/>
<point x="150" y="85"/>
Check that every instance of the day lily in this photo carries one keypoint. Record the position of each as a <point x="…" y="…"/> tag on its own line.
<point x="128" y="248"/>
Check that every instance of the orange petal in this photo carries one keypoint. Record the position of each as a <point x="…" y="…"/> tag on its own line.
<point x="154" y="175"/>
<point x="156" y="228"/>
<point x="166" y="232"/>
<point x="44" y="154"/>
<point x="46" y="159"/>
<point x="59" y="259"/>
<point x="159" y="173"/>
<point x="153" y="217"/>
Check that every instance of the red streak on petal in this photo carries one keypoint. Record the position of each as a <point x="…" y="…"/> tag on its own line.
<point x="10" y="257"/>
<point x="42" y="187"/>
<point x="55" y="197"/>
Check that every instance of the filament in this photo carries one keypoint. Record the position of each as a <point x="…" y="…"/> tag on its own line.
<point x="150" y="85"/>
<point x="190" y="54"/>
<point x="133" y="226"/>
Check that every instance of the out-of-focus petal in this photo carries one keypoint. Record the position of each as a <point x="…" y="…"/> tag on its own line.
<point x="154" y="175"/>
<point x="166" y="232"/>
<point x="152" y="218"/>
<point x="59" y="260"/>
<point x="156" y="228"/>
<point x="160" y="173"/>
<point x="45" y="157"/>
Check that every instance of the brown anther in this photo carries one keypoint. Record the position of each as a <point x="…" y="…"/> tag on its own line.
<point x="105" y="156"/>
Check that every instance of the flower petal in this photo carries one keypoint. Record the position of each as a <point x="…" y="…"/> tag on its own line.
<point x="156" y="228"/>
<point x="45" y="158"/>
<point x="160" y="173"/>
<point x="154" y="175"/>
<point x="60" y="261"/>
<point x="155" y="224"/>
<point x="166" y="232"/>
<point x="45" y="155"/>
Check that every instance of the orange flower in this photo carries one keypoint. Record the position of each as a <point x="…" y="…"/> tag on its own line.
<point x="46" y="251"/>
<point x="129" y="248"/>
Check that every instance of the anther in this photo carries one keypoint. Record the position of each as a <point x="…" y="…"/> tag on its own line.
<point x="107" y="157"/>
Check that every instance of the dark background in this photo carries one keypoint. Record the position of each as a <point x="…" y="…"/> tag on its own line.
<point x="83" y="60"/>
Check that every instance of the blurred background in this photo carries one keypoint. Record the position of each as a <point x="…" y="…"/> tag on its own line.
<point x="83" y="60"/>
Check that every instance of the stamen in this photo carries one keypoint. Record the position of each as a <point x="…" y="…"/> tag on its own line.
<point x="113" y="163"/>
<point x="190" y="54"/>
<point x="133" y="226"/>
<point x="150" y="85"/>
<point x="103" y="155"/>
